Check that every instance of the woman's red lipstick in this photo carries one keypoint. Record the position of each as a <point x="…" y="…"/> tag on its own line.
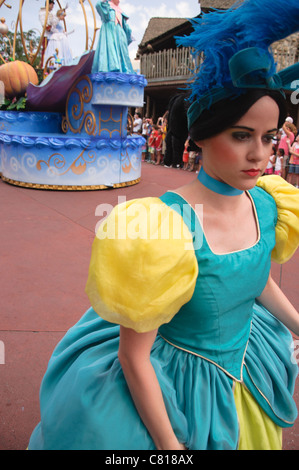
<point x="252" y="172"/>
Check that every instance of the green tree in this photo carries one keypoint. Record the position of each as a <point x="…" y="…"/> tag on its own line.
<point x="31" y="39"/>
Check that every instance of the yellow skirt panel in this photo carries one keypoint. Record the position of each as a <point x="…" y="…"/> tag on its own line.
<point x="257" y="430"/>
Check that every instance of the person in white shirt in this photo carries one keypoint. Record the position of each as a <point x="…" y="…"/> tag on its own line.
<point x="279" y="162"/>
<point x="137" y="124"/>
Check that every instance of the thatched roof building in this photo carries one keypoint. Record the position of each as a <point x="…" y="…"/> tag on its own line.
<point x="165" y="68"/>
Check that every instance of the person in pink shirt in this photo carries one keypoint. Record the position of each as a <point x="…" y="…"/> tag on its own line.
<point x="283" y="144"/>
<point x="293" y="176"/>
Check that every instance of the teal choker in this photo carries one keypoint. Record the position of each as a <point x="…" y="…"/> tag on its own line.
<point x="217" y="186"/>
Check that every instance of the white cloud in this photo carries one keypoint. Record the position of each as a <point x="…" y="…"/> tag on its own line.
<point x="139" y="16"/>
<point x="75" y="16"/>
<point x="185" y="10"/>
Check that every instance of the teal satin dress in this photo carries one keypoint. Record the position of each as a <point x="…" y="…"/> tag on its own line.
<point x="221" y="336"/>
<point x="112" y="53"/>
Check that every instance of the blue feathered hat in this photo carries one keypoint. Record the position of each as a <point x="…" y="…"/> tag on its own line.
<point x="237" y="53"/>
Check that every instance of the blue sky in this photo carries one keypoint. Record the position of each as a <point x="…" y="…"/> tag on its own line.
<point x="139" y="12"/>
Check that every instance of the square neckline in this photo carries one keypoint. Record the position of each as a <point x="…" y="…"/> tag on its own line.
<point x="257" y="223"/>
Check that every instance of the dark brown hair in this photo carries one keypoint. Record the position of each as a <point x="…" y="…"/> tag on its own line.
<point x="226" y="113"/>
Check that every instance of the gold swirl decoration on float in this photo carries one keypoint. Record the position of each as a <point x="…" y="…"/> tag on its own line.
<point x="57" y="161"/>
<point x="103" y="122"/>
<point x="126" y="162"/>
<point x="78" y="115"/>
<point x="61" y="187"/>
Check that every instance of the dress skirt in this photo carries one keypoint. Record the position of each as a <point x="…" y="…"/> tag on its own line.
<point x="86" y="404"/>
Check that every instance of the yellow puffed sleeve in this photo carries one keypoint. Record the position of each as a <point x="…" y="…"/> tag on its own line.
<point x="143" y="266"/>
<point x="286" y="197"/>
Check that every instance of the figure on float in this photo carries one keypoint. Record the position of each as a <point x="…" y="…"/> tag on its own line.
<point x="112" y="53"/>
<point x="58" y="44"/>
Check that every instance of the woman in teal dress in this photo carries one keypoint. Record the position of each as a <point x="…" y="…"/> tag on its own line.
<point x="179" y="348"/>
<point x="112" y="53"/>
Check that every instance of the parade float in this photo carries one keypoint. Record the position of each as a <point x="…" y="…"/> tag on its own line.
<point x="73" y="134"/>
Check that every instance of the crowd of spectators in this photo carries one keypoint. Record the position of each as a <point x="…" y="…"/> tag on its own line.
<point x="155" y="148"/>
<point x="284" y="160"/>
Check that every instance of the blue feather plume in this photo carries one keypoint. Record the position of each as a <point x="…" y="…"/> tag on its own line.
<point x="221" y="34"/>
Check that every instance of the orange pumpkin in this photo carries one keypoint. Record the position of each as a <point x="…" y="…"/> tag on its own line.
<point x="16" y="76"/>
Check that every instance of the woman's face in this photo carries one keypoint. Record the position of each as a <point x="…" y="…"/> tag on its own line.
<point x="239" y="155"/>
<point x="116" y="2"/>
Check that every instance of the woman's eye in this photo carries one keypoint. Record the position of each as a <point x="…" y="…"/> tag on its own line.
<point x="244" y="136"/>
<point x="268" y="139"/>
<point x="241" y="135"/>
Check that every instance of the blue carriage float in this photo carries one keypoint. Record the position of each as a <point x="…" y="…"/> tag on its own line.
<point x="74" y="135"/>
